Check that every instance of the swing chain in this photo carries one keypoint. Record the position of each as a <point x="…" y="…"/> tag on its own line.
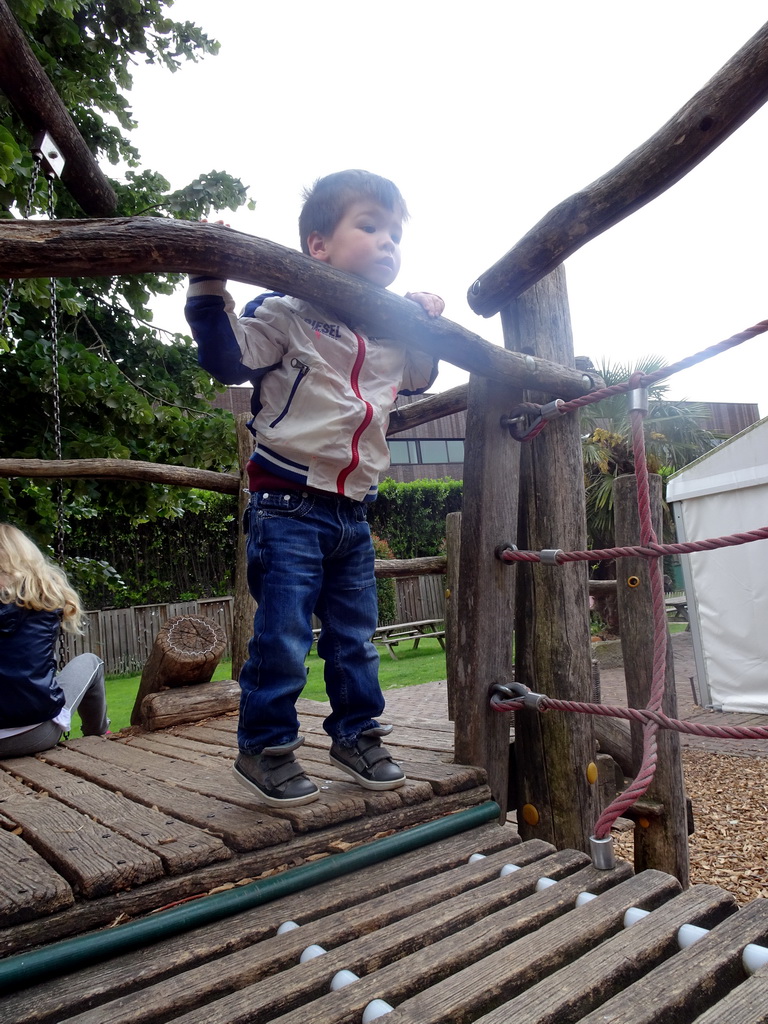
<point x="56" y="385"/>
<point x="36" y="168"/>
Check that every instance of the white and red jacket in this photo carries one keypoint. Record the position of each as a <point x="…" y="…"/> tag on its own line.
<point x="323" y="391"/>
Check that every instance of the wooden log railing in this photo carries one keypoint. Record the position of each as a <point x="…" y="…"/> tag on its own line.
<point x="140" y="245"/>
<point x="122" y="469"/>
<point x="715" y="112"/>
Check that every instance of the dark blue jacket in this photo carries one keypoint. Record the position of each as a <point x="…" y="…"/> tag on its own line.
<point x="29" y="693"/>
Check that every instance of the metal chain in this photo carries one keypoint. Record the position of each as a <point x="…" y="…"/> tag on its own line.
<point x="55" y="359"/>
<point x="25" y="213"/>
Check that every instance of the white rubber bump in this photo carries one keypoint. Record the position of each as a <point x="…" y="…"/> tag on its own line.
<point x="633" y="915"/>
<point x="375" y="1009"/>
<point x="310" y="953"/>
<point x="342" y="979"/>
<point x="508" y="869"/>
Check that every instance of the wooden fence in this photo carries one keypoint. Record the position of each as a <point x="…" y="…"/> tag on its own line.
<point x="123" y="637"/>
<point x="419" y="598"/>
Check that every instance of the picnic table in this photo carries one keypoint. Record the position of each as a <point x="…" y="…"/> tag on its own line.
<point x="678" y="606"/>
<point x="391" y="636"/>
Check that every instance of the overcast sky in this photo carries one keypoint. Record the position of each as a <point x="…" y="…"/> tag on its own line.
<point x="487" y="115"/>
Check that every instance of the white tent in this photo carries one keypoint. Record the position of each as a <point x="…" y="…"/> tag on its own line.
<point x="725" y="492"/>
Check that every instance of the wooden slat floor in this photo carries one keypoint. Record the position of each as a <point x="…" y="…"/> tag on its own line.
<point x="443" y="941"/>
<point x="99" y="831"/>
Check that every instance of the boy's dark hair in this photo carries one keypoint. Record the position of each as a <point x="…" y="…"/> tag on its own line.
<point x="328" y="199"/>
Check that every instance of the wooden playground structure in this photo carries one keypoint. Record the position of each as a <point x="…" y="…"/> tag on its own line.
<point x="99" y="831"/>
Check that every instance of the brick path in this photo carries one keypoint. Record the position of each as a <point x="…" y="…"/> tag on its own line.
<point x="430" y="701"/>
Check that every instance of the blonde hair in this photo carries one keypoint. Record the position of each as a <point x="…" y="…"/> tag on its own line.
<point x="32" y="581"/>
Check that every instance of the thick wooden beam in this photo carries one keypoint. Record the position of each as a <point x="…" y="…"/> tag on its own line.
<point x="37" y="103"/>
<point x="660" y="842"/>
<point x="140" y="245"/>
<point x="481" y="645"/>
<point x="715" y="112"/>
<point x="557" y="795"/>
<point x="122" y="469"/>
<point x="402" y="568"/>
<point x="427" y="410"/>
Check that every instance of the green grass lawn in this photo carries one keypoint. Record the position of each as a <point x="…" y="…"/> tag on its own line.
<point x="424" y="665"/>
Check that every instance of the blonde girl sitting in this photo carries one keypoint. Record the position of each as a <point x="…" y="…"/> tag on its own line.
<point x="35" y="703"/>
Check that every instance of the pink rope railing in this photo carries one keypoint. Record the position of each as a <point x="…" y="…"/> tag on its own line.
<point x="637" y="380"/>
<point x="652" y="717"/>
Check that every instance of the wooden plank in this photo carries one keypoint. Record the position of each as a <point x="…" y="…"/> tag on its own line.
<point x="214" y="732"/>
<point x="414" y="739"/>
<point x="241" y="829"/>
<point x="421" y="723"/>
<point x="695" y="979"/>
<point x="29" y="887"/>
<point x="51" y="1001"/>
<point x="217" y="781"/>
<point x="179" y="746"/>
<point x="94" y="859"/>
<point x="328" y="777"/>
<point x="11" y="788"/>
<point x="747" y="1004"/>
<point x="245" y="967"/>
<point x="555" y="799"/>
<point x="444" y="778"/>
<point x="246" y="867"/>
<point x="616" y="963"/>
<point x="410" y="957"/>
<point x="180" y="846"/>
<point x="357" y="949"/>
<point x="504" y="973"/>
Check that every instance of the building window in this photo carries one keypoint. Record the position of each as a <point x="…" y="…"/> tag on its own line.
<point x="403" y="452"/>
<point x="426" y="451"/>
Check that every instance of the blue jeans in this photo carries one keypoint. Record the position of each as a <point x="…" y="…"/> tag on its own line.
<point x="309" y="553"/>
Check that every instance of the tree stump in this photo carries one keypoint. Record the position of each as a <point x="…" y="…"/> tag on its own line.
<point x="186" y="651"/>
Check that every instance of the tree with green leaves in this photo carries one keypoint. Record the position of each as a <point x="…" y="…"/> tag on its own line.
<point x="127" y="389"/>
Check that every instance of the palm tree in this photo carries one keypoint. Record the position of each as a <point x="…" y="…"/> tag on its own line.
<point x="674" y="437"/>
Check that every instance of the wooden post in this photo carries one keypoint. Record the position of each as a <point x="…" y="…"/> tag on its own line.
<point x="556" y="797"/>
<point x="452" y="606"/>
<point x="186" y="651"/>
<point x="243" y="606"/>
<point x="483" y="644"/>
<point x="660" y="841"/>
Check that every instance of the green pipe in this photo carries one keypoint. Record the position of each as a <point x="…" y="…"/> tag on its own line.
<point x="25" y="969"/>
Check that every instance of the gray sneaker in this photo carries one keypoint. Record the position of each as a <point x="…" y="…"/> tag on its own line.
<point x="275" y="776"/>
<point x="369" y="762"/>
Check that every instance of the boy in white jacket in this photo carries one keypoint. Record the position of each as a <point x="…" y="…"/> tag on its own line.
<point x="322" y="398"/>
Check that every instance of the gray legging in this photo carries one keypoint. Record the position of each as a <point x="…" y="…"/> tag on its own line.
<point x="82" y="681"/>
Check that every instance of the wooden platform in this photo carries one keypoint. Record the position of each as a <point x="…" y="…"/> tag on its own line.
<point x="99" y="831"/>
<point x="442" y="941"/>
